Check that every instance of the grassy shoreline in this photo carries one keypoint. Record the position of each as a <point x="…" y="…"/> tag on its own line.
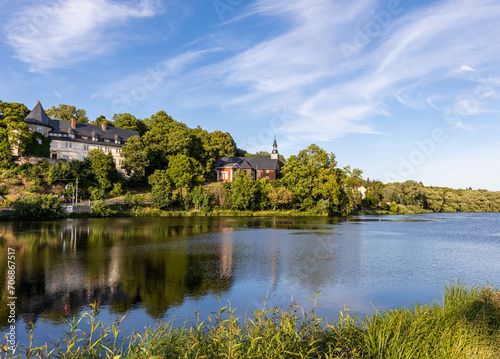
<point x="465" y="325"/>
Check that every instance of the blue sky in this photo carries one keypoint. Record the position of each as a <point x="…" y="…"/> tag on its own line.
<point x="400" y="89"/>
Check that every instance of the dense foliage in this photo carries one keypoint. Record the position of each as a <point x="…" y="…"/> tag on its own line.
<point x="173" y="160"/>
<point x="38" y="207"/>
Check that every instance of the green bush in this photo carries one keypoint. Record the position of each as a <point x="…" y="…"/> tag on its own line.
<point x="38" y="207"/>
<point x="393" y="209"/>
<point x="100" y="208"/>
<point x="201" y="199"/>
<point x="117" y="190"/>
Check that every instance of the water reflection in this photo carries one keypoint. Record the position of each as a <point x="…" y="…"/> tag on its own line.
<point x="159" y="267"/>
<point x="154" y="263"/>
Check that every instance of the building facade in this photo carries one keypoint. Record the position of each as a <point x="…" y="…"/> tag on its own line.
<point x="258" y="166"/>
<point x="71" y="140"/>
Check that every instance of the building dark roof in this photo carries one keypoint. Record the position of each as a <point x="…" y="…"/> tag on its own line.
<point x="257" y="162"/>
<point x="88" y="130"/>
<point x="37" y="116"/>
<point x="116" y="136"/>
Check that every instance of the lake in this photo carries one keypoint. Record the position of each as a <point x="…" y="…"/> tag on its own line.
<point x="167" y="268"/>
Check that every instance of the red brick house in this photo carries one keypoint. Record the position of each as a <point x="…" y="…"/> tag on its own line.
<point x="259" y="166"/>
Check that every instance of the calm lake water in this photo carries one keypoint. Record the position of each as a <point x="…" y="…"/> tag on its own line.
<point x="167" y="268"/>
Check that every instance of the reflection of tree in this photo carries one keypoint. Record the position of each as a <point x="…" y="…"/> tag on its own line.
<point x="63" y="266"/>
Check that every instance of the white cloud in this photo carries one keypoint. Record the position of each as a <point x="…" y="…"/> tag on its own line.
<point x="303" y="66"/>
<point x="56" y="34"/>
<point x="466" y="68"/>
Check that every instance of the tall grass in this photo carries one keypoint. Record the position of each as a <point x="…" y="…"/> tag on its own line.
<point x="465" y="325"/>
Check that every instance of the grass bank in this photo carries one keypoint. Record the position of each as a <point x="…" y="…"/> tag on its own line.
<point x="465" y="325"/>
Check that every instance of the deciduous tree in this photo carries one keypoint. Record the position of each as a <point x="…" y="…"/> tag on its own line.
<point x="66" y="113"/>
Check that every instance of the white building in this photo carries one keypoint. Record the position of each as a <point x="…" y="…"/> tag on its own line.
<point x="71" y="140"/>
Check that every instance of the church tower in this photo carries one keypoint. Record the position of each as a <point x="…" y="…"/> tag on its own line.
<point x="274" y="154"/>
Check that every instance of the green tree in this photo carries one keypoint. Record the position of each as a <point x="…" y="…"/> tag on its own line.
<point x="100" y="208"/>
<point x="201" y="199"/>
<point x="184" y="172"/>
<point x="165" y="138"/>
<point x="102" y="167"/>
<point x="135" y="157"/>
<point x="66" y="113"/>
<point x="242" y="195"/>
<point x="208" y="147"/>
<point x="451" y="201"/>
<point x="102" y="119"/>
<point x="434" y="199"/>
<point x="38" y="207"/>
<point x="312" y="176"/>
<point x="161" y="189"/>
<point x="14" y="132"/>
<point x="280" y="197"/>
<point x="129" y="122"/>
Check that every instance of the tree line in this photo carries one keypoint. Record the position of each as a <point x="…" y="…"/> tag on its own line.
<point x="176" y="164"/>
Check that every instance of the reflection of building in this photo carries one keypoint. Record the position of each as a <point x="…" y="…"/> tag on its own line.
<point x="71" y="140"/>
<point x="226" y="253"/>
<point x="258" y="166"/>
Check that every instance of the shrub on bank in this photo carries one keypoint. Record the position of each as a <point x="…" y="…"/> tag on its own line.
<point x="466" y="325"/>
<point x="100" y="208"/>
<point x="38" y="207"/>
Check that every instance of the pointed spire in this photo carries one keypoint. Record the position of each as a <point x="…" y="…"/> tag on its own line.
<point x="274" y="154"/>
<point x="38" y="116"/>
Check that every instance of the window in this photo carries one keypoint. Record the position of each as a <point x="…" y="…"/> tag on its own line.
<point x="39" y="129"/>
<point x="39" y="141"/>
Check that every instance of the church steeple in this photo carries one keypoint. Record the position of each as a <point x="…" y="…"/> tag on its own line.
<point x="274" y="154"/>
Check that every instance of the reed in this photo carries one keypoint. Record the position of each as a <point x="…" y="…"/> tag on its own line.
<point x="465" y="325"/>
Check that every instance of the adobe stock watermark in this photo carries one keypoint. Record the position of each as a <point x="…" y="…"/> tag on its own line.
<point x="265" y="136"/>
<point x="140" y="92"/>
<point x="470" y="105"/>
<point x="424" y="150"/>
<point x="35" y="24"/>
<point x="364" y="35"/>
<point x="222" y="7"/>
<point x="11" y="300"/>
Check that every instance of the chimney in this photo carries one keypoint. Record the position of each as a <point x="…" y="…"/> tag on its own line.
<point x="73" y="122"/>
<point x="103" y="126"/>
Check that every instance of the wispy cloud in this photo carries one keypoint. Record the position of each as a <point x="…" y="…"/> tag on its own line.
<point x="303" y="66"/>
<point x="56" y="34"/>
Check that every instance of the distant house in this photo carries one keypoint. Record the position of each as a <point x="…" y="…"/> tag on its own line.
<point x="71" y="140"/>
<point x="258" y="167"/>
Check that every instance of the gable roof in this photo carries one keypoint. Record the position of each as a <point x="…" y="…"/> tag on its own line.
<point x="37" y="116"/>
<point x="257" y="162"/>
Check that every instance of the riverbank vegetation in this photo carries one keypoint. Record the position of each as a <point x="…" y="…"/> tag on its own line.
<point x="465" y="325"/>
<point x="172" y="166"/>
